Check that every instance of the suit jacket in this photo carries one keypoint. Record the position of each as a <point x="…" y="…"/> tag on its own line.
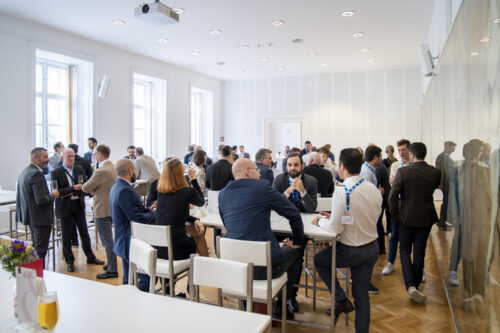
<point x="445" y="164"/>
<point x="126" y="206"/>
<point x="63" y="204"/>
<point x="85" y="165"/>
<point x="100" y="183"/>
<point x="88" y="156"/>
<point x="416" y="184"/>
<point x="145" y="168"/>
<point x="382" y="175"/>
<point x="246" y="155"/>
<point x="303" y="152"/>
<point x="34" y="202"/>
<point x="245" y="208"/>
<point x="218" y="175"/>
<point x="187" y="157"/>
<point x="324" y="178"/>
<point x="309" y="202"/>
<point x="265" y="173"/>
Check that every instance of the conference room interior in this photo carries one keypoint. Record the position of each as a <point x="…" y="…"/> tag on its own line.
<point x="268" y="75"/>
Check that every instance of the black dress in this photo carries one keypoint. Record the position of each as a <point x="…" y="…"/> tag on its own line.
<point x="173" y="209"/>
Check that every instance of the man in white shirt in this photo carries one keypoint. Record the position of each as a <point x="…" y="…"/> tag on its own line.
<point x="356" y="207"/>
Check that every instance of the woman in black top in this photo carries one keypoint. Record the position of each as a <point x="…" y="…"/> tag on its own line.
<point x="389" y="150"/>
<point x="174" y="197"/>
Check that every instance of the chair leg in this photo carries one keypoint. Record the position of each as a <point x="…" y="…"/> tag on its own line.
<point x="283" y="309"/>
<point x="163" y="286"/>
<point x="171" y="282"/>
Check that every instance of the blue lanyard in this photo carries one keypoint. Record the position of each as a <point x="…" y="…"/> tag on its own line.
<point x="71" y="175"/>
<point x="402" y="164"/>
<point x="348" y="194"/>
<point x="372" y="169"/>
<point x="295" y="193"/>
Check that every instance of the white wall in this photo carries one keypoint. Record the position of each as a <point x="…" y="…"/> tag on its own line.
<point x="112" y="116"/>
<point x="343" y="109"/>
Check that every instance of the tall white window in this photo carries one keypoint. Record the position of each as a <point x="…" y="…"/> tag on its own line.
<point x="142" y="114"/>
<point x="202" y="118"/>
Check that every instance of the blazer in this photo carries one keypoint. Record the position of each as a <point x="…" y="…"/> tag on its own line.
<point x="34" y="202"/>
<point x="88" y="156"/>
<point x="265" y="173"/>
<point x="415" y="184"/>
<point x="218" y="175"/>
<point x="100" y="183"/>
<point x="309" y="202"/>
<point x="324" y="178"/>
<point x="84" y="164"/>
<point x="145" y="168"/>
<point x="63" y="203"/>
<point x="126" y="206"/>
<point x="445" y="164"/>
<point x="245" y="208"/>
<point x="382" y="175"/>
<point x="246" y="155"/>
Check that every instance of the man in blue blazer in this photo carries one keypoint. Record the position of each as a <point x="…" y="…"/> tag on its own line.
<point x="245" y="206"/>
<point x="264" y="161"/>
<point x="126" y="206"/>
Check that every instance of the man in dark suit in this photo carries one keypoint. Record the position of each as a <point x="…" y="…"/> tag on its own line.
<point x="34" y="201"/>
<point x="323" y="176"/>
<point x="89" y="156"/>
<point x="126" y="206"/>
<point x="382" y="175"/>
<point x="307" y="148"/>
<point x="243" y="153"/>
<point x="415" y="185"/>
<point x="70" y="208"/>
<point x="257" y="198"/>
<point x="264" y="161"/>
<point x="189" y="155"/>
<point x="87" y="168"/>
<point x="445" y="164"/>
<point x="219" y="173"/>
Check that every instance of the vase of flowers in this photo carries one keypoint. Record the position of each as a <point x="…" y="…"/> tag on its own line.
<point x="14" y="254"/>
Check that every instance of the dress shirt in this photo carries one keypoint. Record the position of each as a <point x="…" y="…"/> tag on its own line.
<point x="368" y="173"/>
<point x="71" y="182"/>
<point x="365" y="207"/>
<point x="394" y="169"/>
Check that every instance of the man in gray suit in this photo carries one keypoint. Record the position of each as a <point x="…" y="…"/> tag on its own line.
<point x="35" y="202"/>
<point x="243" y="153"/>
<point x="145" y="166"/>
<point x="55" y="160"/>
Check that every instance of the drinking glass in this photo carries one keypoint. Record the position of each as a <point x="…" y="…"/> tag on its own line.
<point x="48" y="311"/>
<point x="53" y="185"/>
<point x="80" y="179"/>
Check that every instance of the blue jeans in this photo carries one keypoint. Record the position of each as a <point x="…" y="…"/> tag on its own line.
<point x="143" y="283"/>
<point x="393" y="241"/>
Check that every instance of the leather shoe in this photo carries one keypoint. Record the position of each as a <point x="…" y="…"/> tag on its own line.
<point x="71" y="267"/>
<point x="341" y="307"/>
<point x="105" y="268"/>
<point x="95" y="261"/>
<point x="107" y="275"/>
<point x="293" y="305"/>
<point x="277" y="312"/>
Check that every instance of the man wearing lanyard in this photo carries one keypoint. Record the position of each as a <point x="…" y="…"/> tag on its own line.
<point x="356" y="207"/>
<point x="70" y="208"/>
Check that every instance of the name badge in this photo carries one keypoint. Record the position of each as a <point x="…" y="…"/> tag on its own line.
<point x="347" y="219"/>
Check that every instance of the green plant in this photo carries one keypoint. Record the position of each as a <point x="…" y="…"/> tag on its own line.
<point x="16" y="253"/>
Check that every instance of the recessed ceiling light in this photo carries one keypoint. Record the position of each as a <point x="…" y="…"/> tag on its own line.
<point x="297" y="40"/>
<point x="264" y="59"/>
<point x="118" y="22"/>
<point x="162" y="40"/>
<point x="323" y="65"/>
<point x="277" y="23"/>
<point x="220" y="63"/>
<point x="215" y="32"/>
<point x="243" y="47"/>
<point x="358" y="34"/>
<point x="348" y="13"/>
<point x="371" y="61"/>
<point x="484" y="40"/>
<point x="497" y="20"/>
<point x="312" y="54"/>
<point x="280" y="68"/>
<point x="178" y="10"/>
<point x="196" y="53"/>
<point x="474" y="54"/>
<point x="365" y="49"/>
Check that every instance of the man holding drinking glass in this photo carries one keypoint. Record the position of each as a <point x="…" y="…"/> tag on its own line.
<point x="70" y="208"/>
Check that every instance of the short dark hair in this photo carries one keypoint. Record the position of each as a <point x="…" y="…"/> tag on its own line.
<point x="351" y="159"/>
<point x="139" y="151"/>
<point x="241" y="146"/>
<point x="307" y="142"/>
<point x="73" y="146"/>
<point x="92" y="139"/>
<point x="371" y="152"/>
<point x="199" y="157"/>
<point x="262" y="153"/>
<point x="403" y="142"/>
<point x="234" y="147"/>
<point x="471" y="149"/>
<point x="103" y="150"/>
<point x="226" y="151"/>
<point x="449" y="144"/>
<point x="294" y="150"/>
<point x="131" y="147"/>
<point x="324" y="150"/>
<point x="418" y="149"/>
<point x="57" y="145"/>
<point x="36" y="152"/>
<point x="294" y="155"/>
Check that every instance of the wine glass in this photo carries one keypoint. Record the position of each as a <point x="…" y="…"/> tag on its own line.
<point x="53" y="185"/>
<point x="80" y="179"/>
<point x="48" y="311"/>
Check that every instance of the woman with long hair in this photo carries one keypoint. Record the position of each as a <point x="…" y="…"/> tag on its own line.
<point x="174" y="197"/>
<point x="389" y="150"/>
<point x="200" y="160"/>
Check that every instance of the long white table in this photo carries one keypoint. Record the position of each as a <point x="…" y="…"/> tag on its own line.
<point x="90" y="306"/>
<point x="7" y="197"/>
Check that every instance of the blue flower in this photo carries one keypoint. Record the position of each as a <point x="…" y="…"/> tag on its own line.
<point x="17" y="246"/>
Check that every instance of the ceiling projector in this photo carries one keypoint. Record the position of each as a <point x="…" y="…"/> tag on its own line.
<point x="156" y="13"/>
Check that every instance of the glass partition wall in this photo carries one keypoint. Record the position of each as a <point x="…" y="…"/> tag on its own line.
<point x="462" y="107"/>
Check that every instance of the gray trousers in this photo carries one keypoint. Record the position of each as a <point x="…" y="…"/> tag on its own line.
<point x="105" y="229"/>
<point x="41" y="238"/>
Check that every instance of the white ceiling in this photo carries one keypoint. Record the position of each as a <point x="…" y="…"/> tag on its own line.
<point x="393" y="29"/>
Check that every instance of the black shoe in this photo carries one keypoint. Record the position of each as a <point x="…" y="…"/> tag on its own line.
<point x="372" y="289"/>
<point x="181" y="295"/>
<point x="105" y="268"/>
<point x="75" y="244"/>
<point x="95" y="261"/>
<point x="277" y="312"/>
<point x="71" y="267"/>
<point x="381" y="252"/>
<point x="293" y="305"/>
<point x="341" y="307"/>
<point x="107" y="275"/>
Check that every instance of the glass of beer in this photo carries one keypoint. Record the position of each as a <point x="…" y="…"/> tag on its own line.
<point x="80" y="179"/>
<point x="48" y="311"/>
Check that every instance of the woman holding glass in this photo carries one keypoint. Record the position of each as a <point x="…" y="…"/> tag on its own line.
<point x="174" y="197"/>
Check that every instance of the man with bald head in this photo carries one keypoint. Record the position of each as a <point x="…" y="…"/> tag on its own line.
<point x="324" y="177"/>
<point x="245" y="206"/>
<point x="70" y="208"/>
<point x="126" y="206"/>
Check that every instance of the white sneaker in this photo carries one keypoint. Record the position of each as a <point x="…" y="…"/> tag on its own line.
<point x="416" y="295"/>
<point x="453" y="279"/>
<point x="388" y="269"/>
<point x="423" y="277"/>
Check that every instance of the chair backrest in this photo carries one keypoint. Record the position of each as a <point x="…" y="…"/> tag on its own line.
<point x="213" y="202"/>
<point x="324" y="205"/>
<point x="155" y="235"/>
<point x="142" y="255"/>
<point x="257" y="253"/>
<point x="233" y="276"/>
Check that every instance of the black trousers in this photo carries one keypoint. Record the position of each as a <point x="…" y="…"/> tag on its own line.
<point x="380" y="228"/>
<point x="76" y="217"/>
<point x="41" y="237"/>
<point x="413" y="239"/>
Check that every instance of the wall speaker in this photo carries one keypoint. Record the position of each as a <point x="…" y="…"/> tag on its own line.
<point x="426" y="60"/>
<point x="103" y="87"/>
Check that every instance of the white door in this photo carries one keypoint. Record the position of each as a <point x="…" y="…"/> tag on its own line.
<point x="281" y="133"/>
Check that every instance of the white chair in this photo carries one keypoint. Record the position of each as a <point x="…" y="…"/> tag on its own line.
<point x="213" y="202"/>
<point x="235" y="277"/>
<point x="258" y="254"/>
<point x="142" y="256"/>
<point x="324" y="205"/>
<point x="161" y="235"/>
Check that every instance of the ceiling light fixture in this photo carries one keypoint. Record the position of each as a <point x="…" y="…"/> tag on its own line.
<point x="348" y="13"/>
<point x="118" y="22"/>
<point x="178" y="10"/>
<point x="312" y="54"/>
<point x="297" y="40"/>
<point x="365" y="49"/>
<point x="280" y="68"/>
<point x="196" y="53"/>
<point x="358" y="34"/>
<point x="244" y="47"/>
<point x="277" y="23"/>
<point x="484" y="40"/>
<point x="215" y="32"/>
<point x="264" y="59"/>
<point x="323" y="65"/>
<point x="221" y="63"/>
<point x="162" y="40"/>
<point x="474" y="54"/>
